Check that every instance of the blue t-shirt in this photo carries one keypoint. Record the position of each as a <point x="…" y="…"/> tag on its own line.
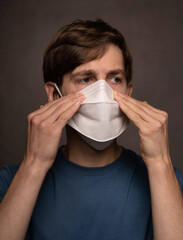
<point x="91" y="203"/>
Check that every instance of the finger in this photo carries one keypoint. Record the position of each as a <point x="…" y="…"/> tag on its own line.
<point x="56" y="102"/>
<point x="158" y="111"/>
<point x="44" y="112"/>
<point x="132" y="115"/>
<point x="136" y="108"/>
<point x="67" y="115"/>
<point x="150" y="111"/>
<point x="159" y="115"/>
<point x="56" y="114"/>
<point x="145" y="106"/>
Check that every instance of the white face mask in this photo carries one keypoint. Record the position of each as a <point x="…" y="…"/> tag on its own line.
<point x="99" y="120"/>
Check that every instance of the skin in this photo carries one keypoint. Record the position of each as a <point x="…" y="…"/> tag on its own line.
<point x="82" y="76"/>
<point x="152" y="124"/>
<point x="45" y="127"/>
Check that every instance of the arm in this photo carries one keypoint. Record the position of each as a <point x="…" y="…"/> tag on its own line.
<point x="167" y="202"/>
<point x="166" y="196"/>
<point x="44" y="131"/>
<point x="17" y="206"/>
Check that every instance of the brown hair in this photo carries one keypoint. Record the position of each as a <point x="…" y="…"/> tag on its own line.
<point x="78" y="43"/>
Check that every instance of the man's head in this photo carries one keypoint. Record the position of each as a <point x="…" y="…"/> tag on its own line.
<point x="85" y="47"/>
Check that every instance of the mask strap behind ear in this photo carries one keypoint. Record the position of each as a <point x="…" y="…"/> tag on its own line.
<point x="58" y="90"/>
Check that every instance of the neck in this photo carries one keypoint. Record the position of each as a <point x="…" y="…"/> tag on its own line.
<point x="81" y="153"/>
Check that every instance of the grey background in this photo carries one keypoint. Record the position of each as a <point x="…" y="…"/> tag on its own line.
<point x="153" y="30"/>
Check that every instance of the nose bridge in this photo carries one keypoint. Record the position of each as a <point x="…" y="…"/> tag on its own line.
<point x="101" y="75"/>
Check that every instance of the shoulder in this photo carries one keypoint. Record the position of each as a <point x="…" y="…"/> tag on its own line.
<point x="141" y="165"/>
<point x="134" y="158"/>
<point x="179" y="176"/>
<point x="141" y="168"/>
<point x="140" y="173"/>
<point x="9" y="171"/>
<point x="6" y="176"/>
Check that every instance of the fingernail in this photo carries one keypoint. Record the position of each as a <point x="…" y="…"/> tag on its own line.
<point x="117" y="94"/>
<point x="81" y="99"/>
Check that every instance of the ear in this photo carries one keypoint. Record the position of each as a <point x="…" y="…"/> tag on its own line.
<point x="129" y="89"/>
<point x="50" y="90"/>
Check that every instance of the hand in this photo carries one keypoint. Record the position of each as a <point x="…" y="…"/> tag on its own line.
<point x="45" y="128"/>
<point x="152" y="124"/>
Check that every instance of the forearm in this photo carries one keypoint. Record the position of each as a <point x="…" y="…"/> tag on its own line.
<point x="167" y="201"/>
<point x="17" y="206"/>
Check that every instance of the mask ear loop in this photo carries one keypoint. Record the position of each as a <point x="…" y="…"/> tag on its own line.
<point x="58" y="90"/>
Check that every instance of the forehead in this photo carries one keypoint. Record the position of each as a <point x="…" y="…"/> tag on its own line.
<point x="112" y="59"/>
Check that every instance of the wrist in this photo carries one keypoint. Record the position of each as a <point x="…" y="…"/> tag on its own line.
<point x="159" y="165"/>
<point x="158" y="161"/>
<point x="35" y="166"/>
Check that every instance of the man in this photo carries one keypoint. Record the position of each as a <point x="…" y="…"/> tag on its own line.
<point x="91" y="188"/>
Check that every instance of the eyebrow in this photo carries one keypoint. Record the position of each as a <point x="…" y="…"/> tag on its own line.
<point x="90" y="72"/>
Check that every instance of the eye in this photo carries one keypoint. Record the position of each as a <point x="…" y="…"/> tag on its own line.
<point x="85" y="80"/>
<point x="116" y="80"/>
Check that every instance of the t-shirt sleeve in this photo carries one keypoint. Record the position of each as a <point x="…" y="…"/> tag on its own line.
<point x="6" y="176"/>
<point x="179" y="176"/>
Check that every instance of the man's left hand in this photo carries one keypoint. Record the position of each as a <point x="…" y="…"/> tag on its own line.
<point x="152" y="124"/>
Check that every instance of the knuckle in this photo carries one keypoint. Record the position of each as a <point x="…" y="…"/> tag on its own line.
<point x="165" y="114"/>
<point x="29" y="116"/>
<point x="146" y="131"/>
<point x="35" y="120"/>
<point x="42" y="124"/>
<point x="145" y="102"/>
<point x="137" y="118"/>
<point x="158" y="125"/>
<point x="163" y="117"/>
<point x="63" y="118"/>
<point x="54" y="132"/>
<point x="150" y="130"/>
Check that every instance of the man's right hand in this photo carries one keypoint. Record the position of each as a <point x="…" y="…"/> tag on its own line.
<point x="44" y="131"/>
<point x="45" y="127"/>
